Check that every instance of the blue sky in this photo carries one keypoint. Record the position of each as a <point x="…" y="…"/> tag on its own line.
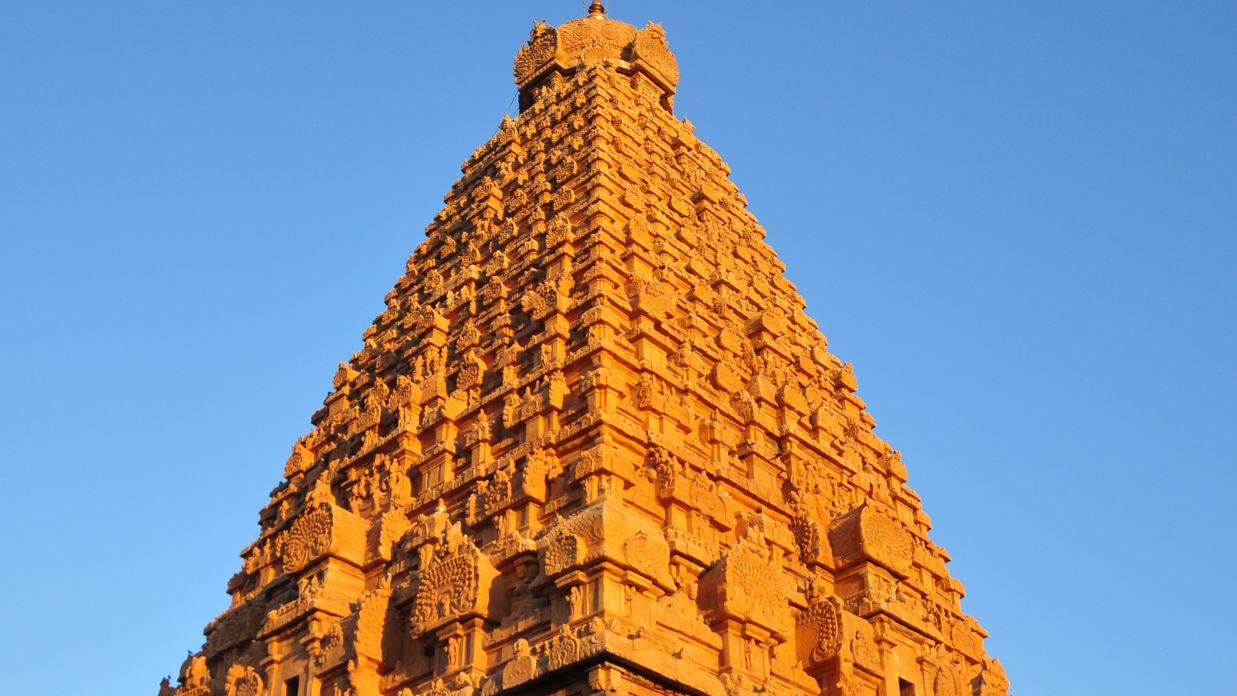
<point x="1017" y="220"/>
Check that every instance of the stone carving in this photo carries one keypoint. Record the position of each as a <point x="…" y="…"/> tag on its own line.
<point x="642" y="546"/>
<point x="650" y="49"/>
<point x="531" y="58"/>
<point x="371" y="618"/>
<point x="243" y="681"/>
<point x="944" y="684"/>
<point x="330" y="645"/>
<point x="819" y="631"/>
<point x="307" y="539"/>
<point x="592" y="442"/>
<point x="863" y="649"/>
<point x="562" y="551"/>
<point x="521" y="666"/>
<point x="991" y="680"/>
<point x="195" y="679"/>
<point x="469" y="374"/>
<point x="744" y="406"/>
<point x="560" y="230"/>
<point x="234" y="627"/>
<point x="608" y="530"/>
<point x="463" y="684"/>
<point x="589" y="40"/>
<point x="298" y="461"/>
<point x="807" y="536"/>
<point x="563" y="649"/>
<point x="865" y="532"/>
<point x="747" y="583"/>
<point x="449" y="588"/>
<point x="664" y="470"/>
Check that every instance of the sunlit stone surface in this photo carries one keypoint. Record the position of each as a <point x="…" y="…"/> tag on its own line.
<point x="593" y="446"/>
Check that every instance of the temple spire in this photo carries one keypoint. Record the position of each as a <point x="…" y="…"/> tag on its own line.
<point x="593" y="440"/>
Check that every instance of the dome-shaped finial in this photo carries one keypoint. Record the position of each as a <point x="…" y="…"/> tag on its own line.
<point x="596" y="9"/>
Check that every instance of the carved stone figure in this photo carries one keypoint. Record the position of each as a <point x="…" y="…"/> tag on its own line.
<point x="454" y="585"/>
<point x="820" y="631"/>
<point x="243" y="680"/>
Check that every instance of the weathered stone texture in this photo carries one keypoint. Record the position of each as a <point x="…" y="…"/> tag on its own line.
<point x="593" y="445"/>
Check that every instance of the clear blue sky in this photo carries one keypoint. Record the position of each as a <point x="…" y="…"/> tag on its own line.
<point x="1016" y="219"/>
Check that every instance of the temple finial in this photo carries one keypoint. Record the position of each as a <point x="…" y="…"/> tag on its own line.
<point x="596" y="9"/>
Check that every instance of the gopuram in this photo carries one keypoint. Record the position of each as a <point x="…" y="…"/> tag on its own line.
<point x="593" y="446"/>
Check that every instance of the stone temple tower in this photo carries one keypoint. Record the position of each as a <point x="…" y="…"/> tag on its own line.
<point x="593" y="446"/>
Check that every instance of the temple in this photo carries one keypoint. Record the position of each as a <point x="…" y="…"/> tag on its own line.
<point x="593" y="446"/>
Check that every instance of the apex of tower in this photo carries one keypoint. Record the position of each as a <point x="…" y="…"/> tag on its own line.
<point x="595" y="40"/>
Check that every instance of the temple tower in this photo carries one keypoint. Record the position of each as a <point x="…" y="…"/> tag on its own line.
<point x="593" y="445"/>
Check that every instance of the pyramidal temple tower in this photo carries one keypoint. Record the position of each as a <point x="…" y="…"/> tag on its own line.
<point x="593" y="446"/>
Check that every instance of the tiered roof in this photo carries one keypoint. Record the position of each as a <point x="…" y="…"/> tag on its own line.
<point x="593" y="442"/>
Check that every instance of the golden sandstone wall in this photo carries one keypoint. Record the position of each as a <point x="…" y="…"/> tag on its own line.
<point x="593" y="445"/>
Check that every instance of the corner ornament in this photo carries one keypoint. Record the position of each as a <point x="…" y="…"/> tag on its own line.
<point x="819" y="631"/>
<point x="307" y="539"/>
<point x="540" y="49"/>
<point x="453" y="587"/>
